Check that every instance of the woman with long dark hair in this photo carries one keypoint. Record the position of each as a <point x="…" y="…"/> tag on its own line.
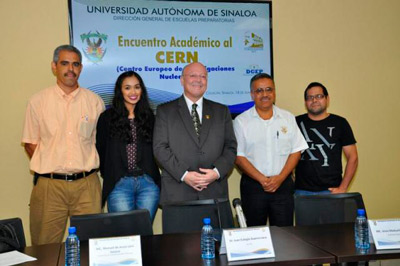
<point x="124" y="143"/>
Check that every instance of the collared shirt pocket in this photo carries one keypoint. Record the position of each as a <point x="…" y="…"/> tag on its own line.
<point x="86" y="126"/>
<point x="284" y="146"/>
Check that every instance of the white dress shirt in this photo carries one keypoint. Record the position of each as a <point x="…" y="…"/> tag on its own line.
<point x="267" y="144"/>
<point x="199" y="107"/>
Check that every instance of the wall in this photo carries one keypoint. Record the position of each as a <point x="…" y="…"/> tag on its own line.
<point x="350" y="46"/>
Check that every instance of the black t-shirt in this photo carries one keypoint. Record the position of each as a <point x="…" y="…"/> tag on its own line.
<point x="320" y="166"/>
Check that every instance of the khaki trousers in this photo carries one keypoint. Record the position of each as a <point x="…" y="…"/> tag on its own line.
<point x="53" y="201"/>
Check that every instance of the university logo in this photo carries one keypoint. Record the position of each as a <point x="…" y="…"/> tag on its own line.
<point x="95" y="49"/>
<point x="253" y="42"/>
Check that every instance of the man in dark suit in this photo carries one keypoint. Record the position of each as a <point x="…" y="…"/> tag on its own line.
<point x="194" y="142"/>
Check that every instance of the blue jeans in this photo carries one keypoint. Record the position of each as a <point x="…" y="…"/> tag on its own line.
<point x="306" y="192"/>
<point x="132" y="193"/>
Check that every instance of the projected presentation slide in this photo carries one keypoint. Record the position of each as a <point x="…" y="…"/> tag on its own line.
<point x="158" y="38"/>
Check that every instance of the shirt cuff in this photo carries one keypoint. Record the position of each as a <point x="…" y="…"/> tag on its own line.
<point x="216" y="170"/>
<point x="183" y="177"/>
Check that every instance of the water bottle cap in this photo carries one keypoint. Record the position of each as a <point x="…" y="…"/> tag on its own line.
<point x="207" y="221"/>
<point x="72" y="230"/>
<point x="361" y="212"/>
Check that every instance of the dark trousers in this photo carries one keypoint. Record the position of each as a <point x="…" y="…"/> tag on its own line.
<point x="259" y="206"/>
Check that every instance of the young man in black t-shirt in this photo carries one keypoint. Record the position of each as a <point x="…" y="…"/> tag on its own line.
<point x="320" y="168"/>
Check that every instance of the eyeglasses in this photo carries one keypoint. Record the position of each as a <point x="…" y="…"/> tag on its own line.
<point x="317" y="97"/>
<point x="195" y="76"/>
<point x="262" y="90"/>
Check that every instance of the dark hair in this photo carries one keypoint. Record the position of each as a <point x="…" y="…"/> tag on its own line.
<point x="144" y="117"/>
<point x="315" y="84"/>
<point x="66" y="47"/>
<point x="260" y="76"/>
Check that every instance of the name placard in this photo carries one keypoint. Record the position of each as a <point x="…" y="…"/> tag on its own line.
<point x="247" y="243"/>
<point x="386" y="233"/>
<point x="115" y="251"/>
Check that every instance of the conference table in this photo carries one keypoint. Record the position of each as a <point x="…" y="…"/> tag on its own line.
<point x="184" y="250"/>
<point x="338" y="240"/>
<point x="46" y="254"/>
<point x="301" y="245"/>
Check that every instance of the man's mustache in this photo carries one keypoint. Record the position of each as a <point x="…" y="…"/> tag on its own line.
<point x="69" y="73"/>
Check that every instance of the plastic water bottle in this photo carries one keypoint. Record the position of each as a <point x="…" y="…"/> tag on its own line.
<point x="207" y="240"/>
<point x="361" y="232"/>
<point x="72" y="248"/>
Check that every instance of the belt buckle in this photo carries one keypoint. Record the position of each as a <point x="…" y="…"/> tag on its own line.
<point x="70" y="175"/>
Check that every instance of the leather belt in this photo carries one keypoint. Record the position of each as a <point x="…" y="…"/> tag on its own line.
<point x="66" y="177"/>
<point x="135" y="172"/>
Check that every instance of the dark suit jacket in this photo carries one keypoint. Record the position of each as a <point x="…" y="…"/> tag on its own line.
<point x="113" y="157"/>
<point x="178" y="149"/>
